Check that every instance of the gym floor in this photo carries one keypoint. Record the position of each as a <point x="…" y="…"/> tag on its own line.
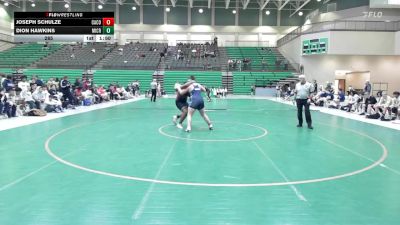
<point x="128" y="164"/>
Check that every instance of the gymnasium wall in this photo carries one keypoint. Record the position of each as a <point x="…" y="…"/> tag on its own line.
<point x="358" y="14"/>
<point x="397" y="43"/>
<point x="5" y="21"/>
<point x="383" y="68"/>
<point x="361" y="43"/>
<point x="227" y="35"/>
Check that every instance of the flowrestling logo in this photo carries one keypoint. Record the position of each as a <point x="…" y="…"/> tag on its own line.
<point x="373" y="14"/>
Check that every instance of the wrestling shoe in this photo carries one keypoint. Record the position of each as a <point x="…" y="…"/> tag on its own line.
<point x="174" y="119"/>
<point x="179" y="126"/>
<point x="210" y="127"/>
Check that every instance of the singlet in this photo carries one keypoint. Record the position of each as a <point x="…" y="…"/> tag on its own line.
<point x="196" y="93"/>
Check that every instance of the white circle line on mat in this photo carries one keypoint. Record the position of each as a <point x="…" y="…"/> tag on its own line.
<point x="265" y="132"/>
<point x="331" y="178"/>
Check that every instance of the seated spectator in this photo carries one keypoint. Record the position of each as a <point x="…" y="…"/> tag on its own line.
<point x="373" y="104"/>
<point x="352" y="102"/>
<point x="78" y="83"/>
<point x="102" y="93"/>
<point x="369" y="101"/>
<point x="87" y="84"/>
<point x="78" y="96"/>
<point x="26" y="96"/>
<point x="3" y="100"/>
<point x="383" y="106"/>
<point x="395" y="105"/>
<point x="10" y="105"/>
<point x="341" y="95"/>
<point x="39" y="82"/>
<point x="53" y="104"/>
<point x="88" y="97"/>
<point x="24" y="84"/>
<point x="39" y="96"/>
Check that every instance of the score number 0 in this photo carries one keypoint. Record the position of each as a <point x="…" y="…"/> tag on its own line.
<point x="108" y="22"/>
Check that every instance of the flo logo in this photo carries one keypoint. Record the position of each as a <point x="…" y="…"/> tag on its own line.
<point x="373" y="14"/>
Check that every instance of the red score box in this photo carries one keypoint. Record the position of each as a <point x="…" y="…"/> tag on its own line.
<point x="108" y="21"/>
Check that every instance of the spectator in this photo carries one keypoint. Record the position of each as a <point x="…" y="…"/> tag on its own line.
<point x="39" y="82"/>
<point x="315" y="84"/>
<point x="10" y="106"/>
<point x="53" y="104"/>
<point x="78" y="83"/>
<point x="3" y="100"/>
<point x="2" y="78"/>
<point x="39" y="96"/>
<point x="368" y="101"/>
<point x="26" y="96"/>
<point x="78" y="96"/>
<point x="24" y="84"/>
<point x="395" y="105"/>
<point x="102" y="93"/>
<point x="8" y="84"/>
<point x="367" y="87"/>
<point x="65" y="87"/>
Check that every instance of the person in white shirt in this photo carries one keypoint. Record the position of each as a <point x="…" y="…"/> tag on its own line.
<point x="40" y="95"/>
<point x="23" y="85"/>
<point x="53" y="104"/>
<point x="352" y="102"/>
<point x="395" y="105"/>
<point x="26" y="96"/>
<point x="158" y="89"/>
<point x="303" y="92"/>
<point x="382" y="107"/>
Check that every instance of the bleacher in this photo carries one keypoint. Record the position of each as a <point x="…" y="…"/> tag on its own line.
<point x="46" y="74"/>
<point x="243" y="81"/>
<point x="24" y="55"/>
<point x="76" y="56"/>
<point x="256" y="54"/>
<point x="123" y="77"/>
<point x="194" y="57"/>
<point x="207" y="78"/>
<point x="133" y="56"/>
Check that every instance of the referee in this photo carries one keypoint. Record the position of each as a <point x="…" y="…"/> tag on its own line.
<point x="303" y="93"/>
<point x="153" y="86"/>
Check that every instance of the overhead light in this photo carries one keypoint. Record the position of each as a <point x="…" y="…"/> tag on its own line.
<point x="200" y="10"/>
<point x="5" y="3"/>
<point x="133" y="7"/>
<point x="33" y="4"/>
<point x="100" y="6"/>
<point x="168" y="9"/>
<point x="66" y="6"/>
<point x="318" y="0"/>
<point x="267" y="12"/>
<point x="234" y="11"/>
<point x="300" y="13"/>
<point x="388" y="21"/>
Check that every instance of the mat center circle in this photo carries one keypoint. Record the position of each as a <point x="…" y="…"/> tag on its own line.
<point x="223" y="132"/>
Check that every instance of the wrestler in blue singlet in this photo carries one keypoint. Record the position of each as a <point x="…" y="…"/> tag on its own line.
<point x="197" y="99"/>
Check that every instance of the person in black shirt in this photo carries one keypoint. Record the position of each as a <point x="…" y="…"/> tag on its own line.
<point x="369" y="100"/>
<point x="65" y="87"/>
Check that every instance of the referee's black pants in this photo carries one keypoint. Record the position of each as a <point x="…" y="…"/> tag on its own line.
<point x="300" y="104"/>
<point x="153" y="95"/>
